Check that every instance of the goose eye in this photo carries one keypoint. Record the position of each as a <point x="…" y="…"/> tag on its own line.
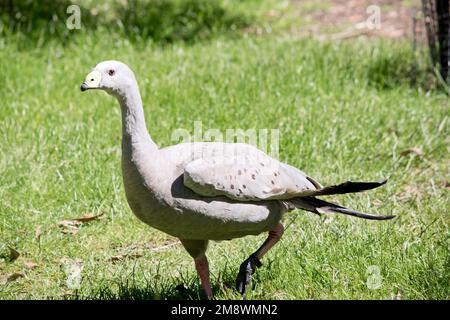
<point x="111" y="72"/>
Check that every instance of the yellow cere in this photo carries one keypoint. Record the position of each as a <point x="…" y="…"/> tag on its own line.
<point x="93" y="79"/>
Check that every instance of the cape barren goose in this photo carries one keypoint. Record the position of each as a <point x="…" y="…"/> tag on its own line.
<point x="209" y="191"/>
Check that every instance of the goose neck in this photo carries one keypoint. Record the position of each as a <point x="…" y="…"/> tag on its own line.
<point x="134" y="129"/>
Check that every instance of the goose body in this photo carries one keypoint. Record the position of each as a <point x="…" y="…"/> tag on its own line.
<point x="208" y="191"/>
<point x="157" y="195"/>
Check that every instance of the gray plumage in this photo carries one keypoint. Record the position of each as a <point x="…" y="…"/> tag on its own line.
<point x="206" y="191"/>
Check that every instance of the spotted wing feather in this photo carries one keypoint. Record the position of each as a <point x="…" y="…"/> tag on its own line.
<point x="247" y="178"/>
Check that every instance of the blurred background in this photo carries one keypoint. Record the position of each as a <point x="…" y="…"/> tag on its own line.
<point x="423" y="22"/>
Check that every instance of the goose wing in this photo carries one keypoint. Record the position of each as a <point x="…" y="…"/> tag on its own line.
<point x="247" y="177"/>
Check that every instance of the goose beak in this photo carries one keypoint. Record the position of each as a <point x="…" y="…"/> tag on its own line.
<point x="84" y="86"/>
<point x="92" y="81"/>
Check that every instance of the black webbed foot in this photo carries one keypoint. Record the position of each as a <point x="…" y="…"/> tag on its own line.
<point x="247" y="268"/>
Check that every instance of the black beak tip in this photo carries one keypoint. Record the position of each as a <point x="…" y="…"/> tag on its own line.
<point x="84" y="87"/>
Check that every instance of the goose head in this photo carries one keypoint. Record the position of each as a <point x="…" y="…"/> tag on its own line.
<point x="112" y="76"/>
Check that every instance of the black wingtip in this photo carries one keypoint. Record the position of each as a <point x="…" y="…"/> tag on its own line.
<point x="369" y="185"/>
<point x="349" y="187"/>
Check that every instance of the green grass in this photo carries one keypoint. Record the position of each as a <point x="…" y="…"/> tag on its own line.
<point x="162" y="21"/>
<point x="344" y="111"/>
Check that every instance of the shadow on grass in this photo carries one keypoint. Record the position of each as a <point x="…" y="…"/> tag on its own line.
<point x="178" y="20"/>
<point x="162" y="21"/>
<point x="40" y="21"/>
<point x="390" y="69"/>
<point x="182" y="287"/>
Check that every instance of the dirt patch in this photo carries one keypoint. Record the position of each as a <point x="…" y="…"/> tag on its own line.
<point x="345" y="19"/>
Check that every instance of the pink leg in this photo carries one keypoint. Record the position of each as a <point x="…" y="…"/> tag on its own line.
<point x="197" y="249"/>
<point x="201" y="264"/>
<point x="272" y="239"/>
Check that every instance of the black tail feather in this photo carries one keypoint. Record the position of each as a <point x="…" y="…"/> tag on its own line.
<point x="348" y="187"/>
<point x="320" y="206"/>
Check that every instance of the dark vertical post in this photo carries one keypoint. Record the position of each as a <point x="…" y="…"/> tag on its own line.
<point x="443" y="14"/>
<point x="428" y="9"/>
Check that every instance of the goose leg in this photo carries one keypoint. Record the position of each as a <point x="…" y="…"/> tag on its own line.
<point x="202" y="267"/>
<point x="248" y="267"/>
<point x="197" y="249"/>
